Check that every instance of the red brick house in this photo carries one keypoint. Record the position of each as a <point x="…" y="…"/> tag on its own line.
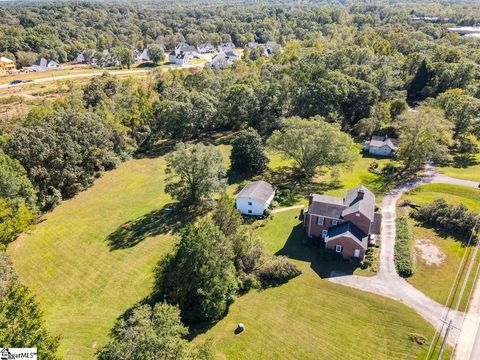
<point x="345" y="225"/>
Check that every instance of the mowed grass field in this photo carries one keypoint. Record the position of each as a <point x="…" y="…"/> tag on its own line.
<point x="83" y="285"/>
<point x="468" y="170"/>
<point x="435" y="280"/>
<point x="312" y="318"/>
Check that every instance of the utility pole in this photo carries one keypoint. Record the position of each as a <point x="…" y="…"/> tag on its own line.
<point x="444" y="342"/>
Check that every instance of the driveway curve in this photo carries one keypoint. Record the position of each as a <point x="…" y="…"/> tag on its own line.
<point x="387" y="282"/>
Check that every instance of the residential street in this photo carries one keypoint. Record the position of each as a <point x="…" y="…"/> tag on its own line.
<point x="52" y="76"/>
<point x="389" y="283"/>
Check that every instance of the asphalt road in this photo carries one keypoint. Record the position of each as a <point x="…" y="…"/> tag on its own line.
<point x="53" y="77"/>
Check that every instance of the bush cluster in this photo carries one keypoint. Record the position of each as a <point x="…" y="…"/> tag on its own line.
<point x="403" y="248"/>
<point x="276" y="271"/>
<point x="456" y="219"/>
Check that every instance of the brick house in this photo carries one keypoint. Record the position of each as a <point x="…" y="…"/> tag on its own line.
<point x="345" y="225"/>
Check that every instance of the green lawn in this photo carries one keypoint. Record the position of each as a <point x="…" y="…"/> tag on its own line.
<point x="312" y="318"/>
<point x="464" y="168"/>
<point x="66" y="260"/>
<point x="349" y="176"/>
<point x="83" y="285"/>
<point x="451" y="193"/>
<point x="432" y="279"/>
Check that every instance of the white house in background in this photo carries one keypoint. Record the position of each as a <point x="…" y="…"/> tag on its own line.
<point x="44" y="65"/>
<point x="80" y="58"/>
<point x="206" y="48"/>
<point x="224" y="59"/>
<point x="255" y="198"/>
<point x="179" y="58"/>
<point x="381" y="145"/>
<point x="226" y="46"/>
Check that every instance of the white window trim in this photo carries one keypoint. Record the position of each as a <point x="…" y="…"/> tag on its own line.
<point x="324" y="233"/>
<point x="320" y="218"/>
<point x="334" y="222"/>
<point x="338" y="248"/>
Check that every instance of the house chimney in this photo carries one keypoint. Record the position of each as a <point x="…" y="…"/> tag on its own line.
<point x="360" y="193"/>
<point x="310" y="199"/>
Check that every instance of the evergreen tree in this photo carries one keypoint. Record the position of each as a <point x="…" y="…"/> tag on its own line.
<point x="248" y="153"/>
<point x="199" y="277"/>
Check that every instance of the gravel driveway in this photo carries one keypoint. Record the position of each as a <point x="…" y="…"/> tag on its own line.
<point x="387" y="282"/>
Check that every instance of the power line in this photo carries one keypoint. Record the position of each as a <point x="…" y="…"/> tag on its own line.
<point x="446" y="308"/>
<point x="466" y="306"/>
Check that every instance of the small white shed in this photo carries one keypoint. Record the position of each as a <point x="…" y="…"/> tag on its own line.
<point x="381" y="145"/>
<point x="255" y="198"/>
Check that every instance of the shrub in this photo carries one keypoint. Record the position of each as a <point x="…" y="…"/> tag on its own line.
<point x="455" y="219"/>
<point x="277" y="270"/>
<point x="403" y="249"/>
<point x="418" y="338"/>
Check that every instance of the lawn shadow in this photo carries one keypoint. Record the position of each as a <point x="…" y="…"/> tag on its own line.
<point x="170" y="218"/>
<point x="152" y="151"/>
<point x="322" y="261"/>
<point x="292" y="188"/>
<point x="464" y="161"/>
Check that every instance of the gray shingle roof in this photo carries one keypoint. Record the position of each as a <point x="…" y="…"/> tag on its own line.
<point x="379" y="141"/>
<point x="324" y="205"/>
<point x="354" y="202"/>
<point x="348" y="227"/>
<point x="257" y="190"/>
<point x="334" y="207"/>
<point x="376" y="225"/>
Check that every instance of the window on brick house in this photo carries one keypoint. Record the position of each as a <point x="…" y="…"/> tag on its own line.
<point x="338" y="248"/>
<point x="320" y="220"/>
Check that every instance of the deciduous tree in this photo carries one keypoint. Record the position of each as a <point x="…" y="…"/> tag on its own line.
<point x="312" y="143"/>
<point x="424" y="134"/>
<point x="198" y="172"/>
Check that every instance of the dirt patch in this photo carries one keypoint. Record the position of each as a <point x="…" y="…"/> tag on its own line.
<point x="430" y="253"/>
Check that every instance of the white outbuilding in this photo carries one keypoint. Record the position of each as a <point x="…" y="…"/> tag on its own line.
<point x="255" y="198"/>
<point x="381" y="145"/>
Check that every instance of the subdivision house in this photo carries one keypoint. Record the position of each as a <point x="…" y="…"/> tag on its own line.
<point x="255" y="198"/>
<point x="43" y="64"/>
<point x="381" y="145"/>
<point x="345" y="225"/>
<point x="226" y="46"/>
<point x="206" y="48"/>
<point x="224" y="59"/>
<point x="179" y="58"/>
<point x="6" y="64"/>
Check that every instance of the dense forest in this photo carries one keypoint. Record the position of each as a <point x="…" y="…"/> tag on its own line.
<point x="61" y="30"/>
<point x="346" y="71"/>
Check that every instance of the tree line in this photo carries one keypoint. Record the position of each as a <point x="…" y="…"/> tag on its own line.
<point x="345" y="72"/>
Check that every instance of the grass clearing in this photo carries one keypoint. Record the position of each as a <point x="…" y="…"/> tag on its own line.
<point x="66" y="260"/>
<point x="312" y="318"/>
<point x="467" y="168"/>
<point x="435" y="279"/>
<point x="83" y="286"/>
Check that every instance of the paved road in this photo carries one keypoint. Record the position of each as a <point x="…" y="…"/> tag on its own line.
<point x="387" y="282"/>
<point x="53" y="77"/>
